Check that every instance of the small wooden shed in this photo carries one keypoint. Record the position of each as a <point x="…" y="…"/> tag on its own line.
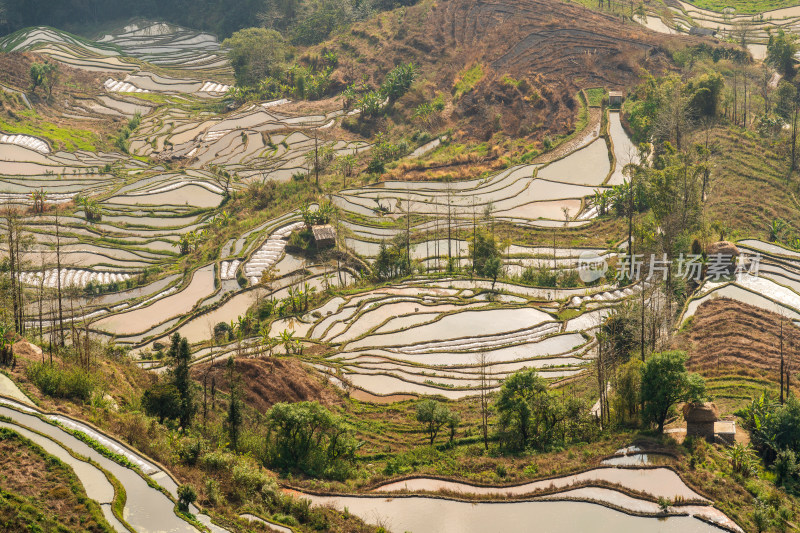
<point x="700" y="419"/>
<point x="324" y="235"/>
<point x="615" y="98"/>
<point x="702" y="32"/>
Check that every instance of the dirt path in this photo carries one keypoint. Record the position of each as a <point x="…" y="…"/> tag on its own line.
<point x="589" y="133"/>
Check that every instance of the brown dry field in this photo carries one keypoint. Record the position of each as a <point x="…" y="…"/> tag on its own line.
<point x="271" y="381"/>
<point x="556" y="47"/>
<point x="736" y="347"/>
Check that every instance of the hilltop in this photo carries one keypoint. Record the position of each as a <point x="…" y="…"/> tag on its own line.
<point x="514" y="66"/>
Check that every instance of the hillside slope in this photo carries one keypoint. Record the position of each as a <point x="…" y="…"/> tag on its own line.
<point x="736" y="347"/>
<point x="555" y="47"/>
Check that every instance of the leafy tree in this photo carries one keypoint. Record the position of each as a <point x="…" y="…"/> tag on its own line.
<point x="523" y="407"/>
<point x="493" y="268"/>
<point x="255" y="54"/>
<point x="308" y="437"/>
<point x="786" y="467"/>
<point x="665" y="382"/>
<point x="180" y="357"/>
<point x="433" y="415"/>
<point x="6" y="343"/>
<point x="781" y="48"/>
<point x="483" y="249"/>
<point x="163" y="401"/>
<point x="318" y="19"/>
<point x="44" y="75"/>
<point x="628" y="390"/>
<point x="705" y="92"/>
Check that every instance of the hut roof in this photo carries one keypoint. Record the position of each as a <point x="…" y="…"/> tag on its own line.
<point x="615" y="93"/>
<point x="694" y="30"/>
<point x="700" y="412"/>
<point x="723" y="247"/>
<point x="323" y="232"/>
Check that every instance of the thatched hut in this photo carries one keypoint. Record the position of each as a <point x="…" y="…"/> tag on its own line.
<point x="324" y="235"/>
<point x="700" y="419"/>
<point x="726" y="252"/>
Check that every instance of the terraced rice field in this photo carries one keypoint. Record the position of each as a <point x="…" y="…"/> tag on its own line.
<point x="255" y="142"/>
<point x="428" y="338"/>
<point x="146" y="507"/>
<point x="774" y="287"/>
<point x="758" y="26"/>
<point x="414" y="338"/>
<point x="585" y="497"/>
<point x="551" y="195"/>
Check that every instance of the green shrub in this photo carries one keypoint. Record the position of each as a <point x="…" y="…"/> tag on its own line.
<point x="186" y="497"/>
<point x="71" y="382"/>
<point x="308" y="437"/>
<point x="218" y="460"/>
<point x="289" y="520"/>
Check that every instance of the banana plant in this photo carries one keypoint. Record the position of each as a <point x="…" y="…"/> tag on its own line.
<point x="288" y="340"/>
<point x="776" y="229"/>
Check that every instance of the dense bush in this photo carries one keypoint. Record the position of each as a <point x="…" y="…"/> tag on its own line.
<point x="255" y="54"/>
<point x="306" y="436"/>
<point x="71" y="382"/>
<point x="531" y="416"/>
<point x="162" y="401"/>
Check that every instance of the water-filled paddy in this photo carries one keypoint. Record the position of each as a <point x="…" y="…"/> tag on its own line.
<point x="428" y="515"/>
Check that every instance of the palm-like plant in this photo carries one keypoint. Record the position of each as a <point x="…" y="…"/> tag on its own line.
<point x="185" y="243"/>
<point x="743" y="459"/>
<point x="91" y="208"/>
<point x="776" y="229"/>
<point x="288" y="340"/>
<point x="39" y="197"/>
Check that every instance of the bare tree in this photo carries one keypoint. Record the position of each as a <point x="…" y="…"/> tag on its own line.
<point x="59" y="294"/>
<point x="484" y="383"/>
<point x="673" y="117"/>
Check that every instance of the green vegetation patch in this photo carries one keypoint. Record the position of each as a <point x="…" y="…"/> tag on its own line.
<point x="744" y="6"/>
<point x="595" y="96"/>
<point x="467" y="80"/>
<point x="30" y="123"/>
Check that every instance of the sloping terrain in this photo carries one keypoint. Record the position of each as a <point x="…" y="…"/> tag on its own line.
<point x="267" y="382"/>
<point x="557" y="48"/>
<point x="736" y="347"/>
<point x="40" y="493"/>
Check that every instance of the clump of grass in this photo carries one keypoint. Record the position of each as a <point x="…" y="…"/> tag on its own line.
<point x="595" y="96"/>
<point x="71" y="382"/>
<point x="467" y="80"/>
